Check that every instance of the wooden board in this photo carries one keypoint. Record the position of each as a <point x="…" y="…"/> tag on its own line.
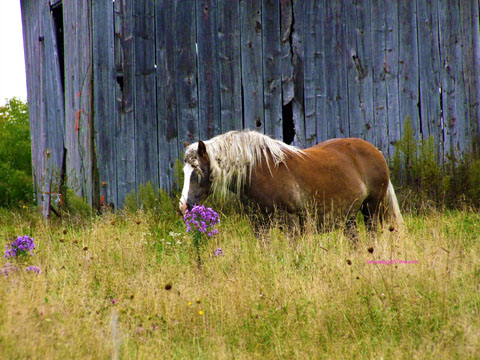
<point x="252" y="59"/>
<point x="359" y="70"/>
<point x="391" y="76"/>
<point x="469" y="20"/>
<point x="298" y="58"/>
<point x="272" y="72"/>
<point x="430" y="68"/>
<point x="146" y="143"/>
<point x="208" y="69"/>
<point x="168" y="146"/>
<point x="408" y="92"/>
<point x="78" y="96"/>
<point x="310" y="73"/>
<point x="320" y="77"/>
<point x="453" y="91"/>
<point x="125" y="99"/>
<point x="379" y="74"/>
<point x="104" y="107"/>
<point x="230" y="74"/>
<point x="186" y="71"/>
<point x="336" y="70"/>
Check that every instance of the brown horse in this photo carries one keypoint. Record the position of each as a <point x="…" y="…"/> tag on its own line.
<point x="337" y="177"/>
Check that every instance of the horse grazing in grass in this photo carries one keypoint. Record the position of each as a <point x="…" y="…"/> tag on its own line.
<point x="338" y="177"/>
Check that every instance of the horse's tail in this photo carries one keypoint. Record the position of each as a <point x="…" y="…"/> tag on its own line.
<point x="392" y="208"/>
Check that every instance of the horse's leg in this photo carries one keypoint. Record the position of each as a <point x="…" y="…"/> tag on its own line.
<point x="294" y="223"/>
<point x="351" y="230"/>
<point x="371" y="214"/>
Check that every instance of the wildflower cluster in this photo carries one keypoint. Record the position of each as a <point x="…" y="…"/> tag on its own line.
<point x="202" y="219"/>
<point x="18" y="251"/>
<point x="22" y="246"/>
<point x="201" y="223"/>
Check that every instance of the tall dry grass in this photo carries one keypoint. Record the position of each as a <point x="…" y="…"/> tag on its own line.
<point x="128" y="287"/>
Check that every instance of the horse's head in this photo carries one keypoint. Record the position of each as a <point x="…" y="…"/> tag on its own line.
<point x="197" y="176"/>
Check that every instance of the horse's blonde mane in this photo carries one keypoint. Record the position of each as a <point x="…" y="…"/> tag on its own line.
<point x="235" y="154"/>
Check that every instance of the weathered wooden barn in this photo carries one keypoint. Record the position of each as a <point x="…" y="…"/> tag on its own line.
<point x="116" y="87"/>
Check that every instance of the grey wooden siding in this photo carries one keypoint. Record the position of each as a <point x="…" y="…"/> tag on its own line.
<point x="141" y="77"/>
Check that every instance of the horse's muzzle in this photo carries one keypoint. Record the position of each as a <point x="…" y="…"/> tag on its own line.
<point x="183" y="208"/>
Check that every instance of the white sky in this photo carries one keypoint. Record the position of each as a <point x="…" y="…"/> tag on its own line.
<point x="12" y="61"/>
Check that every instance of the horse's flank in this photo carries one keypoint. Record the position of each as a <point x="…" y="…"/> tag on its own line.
<point x="234" y="155"/>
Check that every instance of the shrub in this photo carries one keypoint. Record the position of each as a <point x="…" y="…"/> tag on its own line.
<point x="16" y="183"/>
<point x="417" y="169"/>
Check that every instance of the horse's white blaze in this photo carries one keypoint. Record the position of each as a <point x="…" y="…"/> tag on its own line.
<point x="187" y="173"/>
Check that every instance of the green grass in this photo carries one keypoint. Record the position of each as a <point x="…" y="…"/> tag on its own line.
<point x="274" y="297"/>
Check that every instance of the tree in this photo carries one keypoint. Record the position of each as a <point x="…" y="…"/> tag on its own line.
<point x="16" y="183"/>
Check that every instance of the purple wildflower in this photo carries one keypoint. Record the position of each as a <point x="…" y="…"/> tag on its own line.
<point x="34" y="269"/>
<point x="7" y="269"/>
<point x="22" y="246"/>
<point x="219" y="252"/>
<point x="202" y="219"/>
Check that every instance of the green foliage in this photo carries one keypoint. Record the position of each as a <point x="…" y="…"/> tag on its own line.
<point x="16" y="183"/>
<point x="150" y="200"/>
<point x="423" y="180"/>
<point x="178" y="173"/>
<point x="75" y="205"/>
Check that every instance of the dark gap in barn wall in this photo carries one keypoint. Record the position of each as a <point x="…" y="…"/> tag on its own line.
<point x="57" y="15"/>
<point x="120" y="81"/>
<point x="288" y="126"/>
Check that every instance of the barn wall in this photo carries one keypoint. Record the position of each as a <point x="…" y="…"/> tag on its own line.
<point x="142" y="77"/>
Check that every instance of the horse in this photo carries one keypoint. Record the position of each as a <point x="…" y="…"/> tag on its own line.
<point x="338" y="177"/>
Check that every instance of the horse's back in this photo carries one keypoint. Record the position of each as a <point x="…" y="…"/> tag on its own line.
<point x="356" y="159"/>
<point x="362" y="155"/>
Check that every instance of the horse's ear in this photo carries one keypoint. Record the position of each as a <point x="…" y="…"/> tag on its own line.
<point x="186" y="144"/>
<point x="202" y="149"/>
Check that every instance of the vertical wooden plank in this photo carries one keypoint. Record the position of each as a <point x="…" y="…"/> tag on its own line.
<point x="453" y="90"/>
<point x="359" y="70"/>
<point x="146" y="143"/>
<point x="52" y="108"/>
<point x="286" y="29"/>
<point x="186" y="70"/>
<point x="31" y="40"/>
<point x="408" y="65"/>
<point x="228" y="18"/>
<point x="272" y="73"/>
<point x="336" y="68"/>
<point x="311" y="74"/>
<point x="469" y="21"/>
<point x="429" y="71"/>
<point x="379" y="72"/>
<point x="298" y="58"/>
<point x="252" y="74"/>
<point x="166" y="92"/>
<point x="391" y="75"/>
<point x="78" y="96"/>
<point x="319" y="69"/>
<point x="104" y="108"/>
<point x="208" y="67"/>
<point x="124" y="99"/>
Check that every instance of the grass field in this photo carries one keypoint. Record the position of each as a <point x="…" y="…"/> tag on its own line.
<point x="128" y="287"/>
